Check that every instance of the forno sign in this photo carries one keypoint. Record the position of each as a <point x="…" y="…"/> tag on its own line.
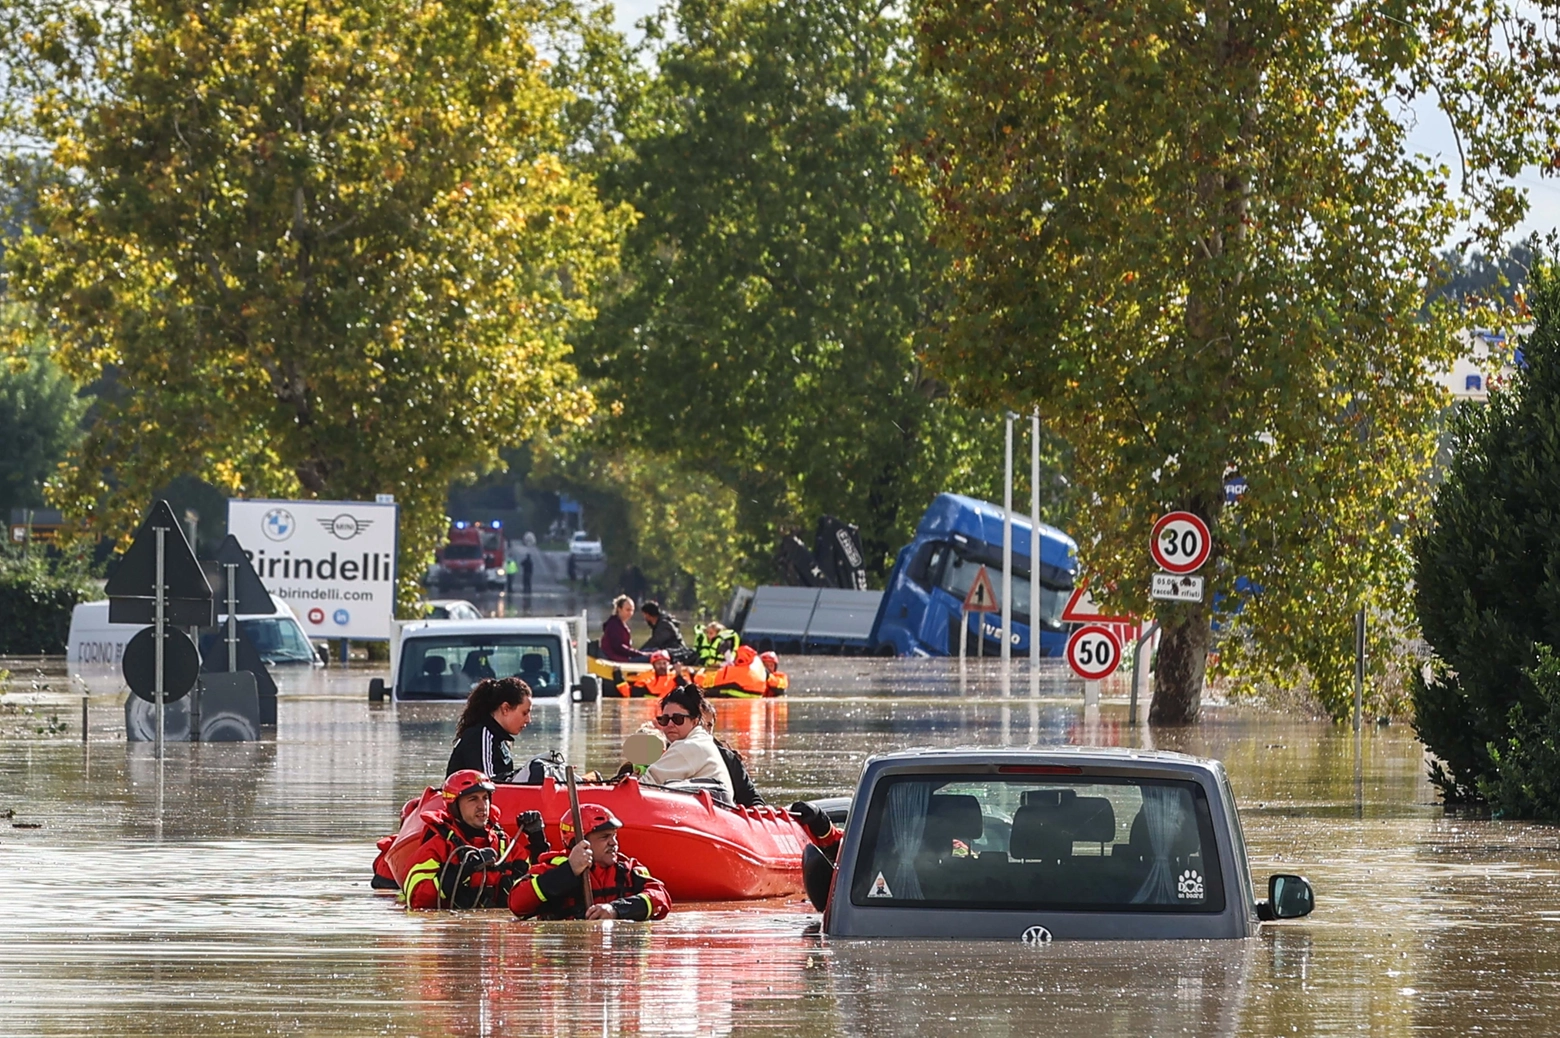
<point x="333" y="562"/>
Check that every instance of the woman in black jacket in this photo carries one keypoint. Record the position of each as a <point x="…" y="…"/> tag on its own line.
<point x="497" y="710"/>
<point x="742" y="789"/>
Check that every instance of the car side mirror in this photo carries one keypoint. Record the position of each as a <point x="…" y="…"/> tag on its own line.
<point x="587" y="690"/>
<point x="1289" y="897"/>
<point x="376" y="690"/>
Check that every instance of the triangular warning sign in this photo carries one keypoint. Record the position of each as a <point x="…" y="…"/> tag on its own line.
<point x="880" y="885"/>
<point x="981" y="597"/>
<point x="186" y="594"/>
<point x="1082" y="609"/>
<point x="247" y="588"/>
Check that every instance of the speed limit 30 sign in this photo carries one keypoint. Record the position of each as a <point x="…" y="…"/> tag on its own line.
<point x="1093" y="652"/>
<point x="1180" y="543"/>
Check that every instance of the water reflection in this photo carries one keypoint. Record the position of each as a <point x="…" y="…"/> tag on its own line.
<point x="231" y="896"/>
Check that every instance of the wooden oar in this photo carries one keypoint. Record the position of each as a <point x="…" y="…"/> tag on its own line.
<point x="579" y="834"/>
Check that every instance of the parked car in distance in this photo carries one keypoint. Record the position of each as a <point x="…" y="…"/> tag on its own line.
<point x="584" y="547"/>
<point x="451" y="609"/>
<point x="444" y="659"/>
<point x="277" y="636"/>
<point x="1035" y="844"/>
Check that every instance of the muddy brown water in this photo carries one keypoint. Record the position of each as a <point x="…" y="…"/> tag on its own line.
<point x="231" y="897"/>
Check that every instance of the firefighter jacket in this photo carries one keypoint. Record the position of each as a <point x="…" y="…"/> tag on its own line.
<point x="442" y="865"/>
<point x="647" y="684"/>
<point x="553" y="891"/>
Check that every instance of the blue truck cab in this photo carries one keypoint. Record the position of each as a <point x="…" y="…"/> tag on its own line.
<point x="920" y="611"/>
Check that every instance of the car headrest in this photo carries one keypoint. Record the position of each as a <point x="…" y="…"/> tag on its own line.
<point x="433" y="666"/>
<point x="1184" y="841"/>
<point x="533" y="662"/>
<point x="952" y="816"/>
<point x="1038" y="833"/>
<point x="1091" y="819"/>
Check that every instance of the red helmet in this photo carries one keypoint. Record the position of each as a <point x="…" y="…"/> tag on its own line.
<point x="770" y="660"/>
<point x="660" y="654"/>
<point x="593" y="817"/>
<point x="465" y="781"/>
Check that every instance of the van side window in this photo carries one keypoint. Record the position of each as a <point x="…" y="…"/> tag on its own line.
<point x="926" y="567"/>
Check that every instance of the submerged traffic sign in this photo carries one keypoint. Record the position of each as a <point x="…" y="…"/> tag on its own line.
<point x="131" y="590"/>
<point x="981" y="597"/>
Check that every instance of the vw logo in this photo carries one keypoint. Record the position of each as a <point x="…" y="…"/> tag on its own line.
<point x="278" y="524"/>
<point x="1036" y="935"/>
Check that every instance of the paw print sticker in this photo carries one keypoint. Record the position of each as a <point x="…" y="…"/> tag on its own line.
<point x="1189" y="887"/>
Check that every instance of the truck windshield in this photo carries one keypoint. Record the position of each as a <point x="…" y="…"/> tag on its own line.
<point x="1026" y="842"/>
<point x="959" y="573"/>
<point x="447" y="666"/>
<point x="462" y="551"/>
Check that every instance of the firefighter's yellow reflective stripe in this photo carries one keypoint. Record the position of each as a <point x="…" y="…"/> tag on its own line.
<point x="640" y="870"/>
<point x="423" y="872"/>
<point x="649" y="905"/>
<point x="538" y="888"/>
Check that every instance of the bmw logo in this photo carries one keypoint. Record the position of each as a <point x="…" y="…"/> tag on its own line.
<point x="278" y="524"/>
<point x="1035" y="936"/>
<point x="342" y="617"/>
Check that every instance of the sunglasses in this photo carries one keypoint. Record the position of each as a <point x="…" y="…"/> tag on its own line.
<point x="667" y="720"/>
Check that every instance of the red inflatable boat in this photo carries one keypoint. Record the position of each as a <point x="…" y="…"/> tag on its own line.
<point x="702" y="850"/>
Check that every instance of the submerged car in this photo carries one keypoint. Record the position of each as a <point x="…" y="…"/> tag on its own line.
<point x="445" y="659"/>
<point x="1064" y="843"/>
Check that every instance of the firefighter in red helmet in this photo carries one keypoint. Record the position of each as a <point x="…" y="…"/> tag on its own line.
<point x="621" y="888"/>
<point x="462" y="858"/>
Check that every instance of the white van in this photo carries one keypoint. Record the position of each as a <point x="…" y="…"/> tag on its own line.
<point x="278" y="636"/>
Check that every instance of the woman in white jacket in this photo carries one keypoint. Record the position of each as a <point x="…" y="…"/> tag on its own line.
<point x="691" y="752"/>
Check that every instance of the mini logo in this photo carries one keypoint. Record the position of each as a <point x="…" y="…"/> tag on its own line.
<point x="1190" y="886"/>
<point x="278" y="524"/>
<point x="342" y="617"/>
<point x="345" y="527"/>
<point x="1036" y="935"/>
<point x="316" y="616"/>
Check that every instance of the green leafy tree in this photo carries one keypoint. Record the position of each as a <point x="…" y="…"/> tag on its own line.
<point x="1195" y="236"/>
<point x="40" y="421"/>
<point x="763" y="331"/>
<point x="322" y="248"/>
<point x="1487" y="583"/>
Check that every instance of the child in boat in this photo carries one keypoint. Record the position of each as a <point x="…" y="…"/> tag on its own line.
<point x="497" y="710"/>
<point x="461" y="858"/>
<point x="621" y="888"/>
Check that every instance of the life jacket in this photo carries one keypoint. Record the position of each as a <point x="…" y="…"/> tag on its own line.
<point x="743" y="679"/>
<point x="712" y="651"/>
<point x="776" y="684"/>
<point x="648" y="684"/>
<point x="428" y="838"/>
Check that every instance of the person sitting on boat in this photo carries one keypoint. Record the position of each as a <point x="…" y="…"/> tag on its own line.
<point x="621" y="888"/>
<point x="775" y="681"/>
<point x="664" y="632"/>
<point x="655" y="682"/>
<point x="742" y="678"/>
<point x="497" y="710"/>
<point x="715" y="644"/>
<point x="617" y="644"/>
<point x="461" y="859"/>
<point x="691" y="754"/>
<point x="743" y="792"/>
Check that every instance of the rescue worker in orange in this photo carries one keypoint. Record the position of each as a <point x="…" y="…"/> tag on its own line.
<point x="461" y="859"/>
<point x="621" y="888"/>
<point x="776" y="682"/>
<point x="743" y="678"/>
<point x="656" y="682"/>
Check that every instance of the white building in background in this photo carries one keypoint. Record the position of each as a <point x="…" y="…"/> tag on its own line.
<point x="1488" y="357"/>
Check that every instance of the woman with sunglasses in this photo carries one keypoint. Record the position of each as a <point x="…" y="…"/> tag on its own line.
<point x="691" y="753"/>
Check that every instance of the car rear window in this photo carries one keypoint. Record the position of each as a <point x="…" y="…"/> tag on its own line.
<point x="1023" y="842"/>
<point x="447" y="667"/>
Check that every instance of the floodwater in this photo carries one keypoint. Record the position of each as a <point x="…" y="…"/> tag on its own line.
<point x="231" y="896"/>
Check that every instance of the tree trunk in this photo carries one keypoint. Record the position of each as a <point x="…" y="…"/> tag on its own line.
<point x="1181" y="665"/>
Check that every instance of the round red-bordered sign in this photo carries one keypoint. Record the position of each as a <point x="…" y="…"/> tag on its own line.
<point x="1093" y="652"/>
<point x="1180" y="543"/>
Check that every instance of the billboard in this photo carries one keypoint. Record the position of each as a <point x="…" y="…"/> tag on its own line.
<point x="333" y="562"/>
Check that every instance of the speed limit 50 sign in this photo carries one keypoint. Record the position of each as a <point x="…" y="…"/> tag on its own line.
<point x="1180" y="543"/>
<point x="1093" y="652"/>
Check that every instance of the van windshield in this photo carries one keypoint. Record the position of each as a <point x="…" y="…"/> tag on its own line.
<point x="446" y="667"/>
<point x="958" y="573"/>
<point x="278" y="639"/>
<point x="1027" y="842"/>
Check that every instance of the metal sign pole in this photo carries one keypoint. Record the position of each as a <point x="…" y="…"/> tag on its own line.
<point x="1034" y="542"/>
<point x="1007" y="547"/>
<point x="232" y="621"/>
<point x="1139" y="670"/>
<point x="1359" y="667"/>
<point x="159" y="623"/>
<point x="964" y="634"/>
